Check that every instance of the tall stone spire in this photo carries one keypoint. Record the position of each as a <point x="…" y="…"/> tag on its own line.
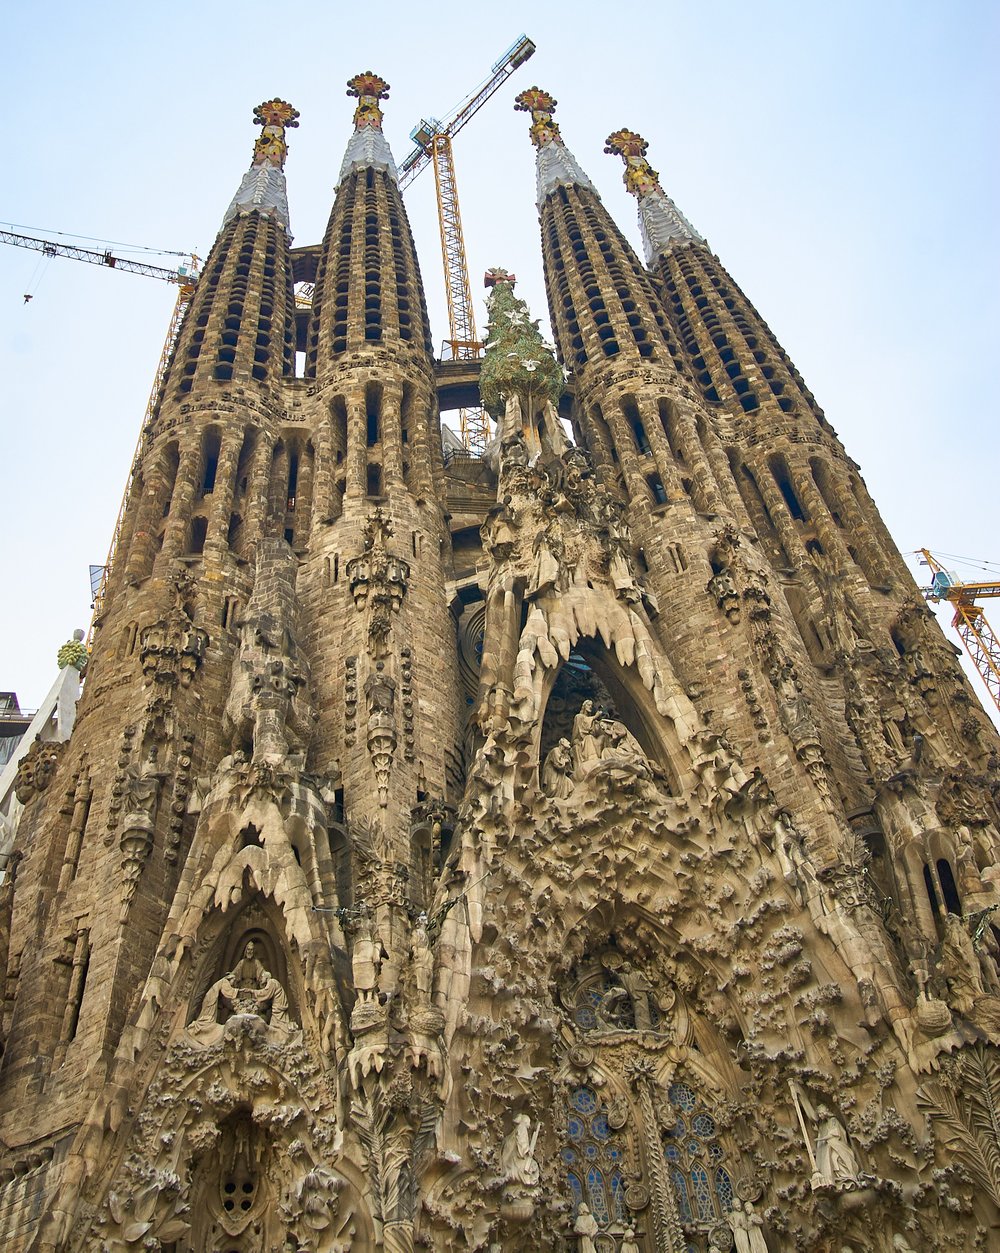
<point x="556" y="166"/>
<point x="732" y="352"/>
<point x="663" y="225"/>
<point x="600" y="298"/>
<point x="368" y="286"/>
<point x="367" y="147"/>
<point x="234" y="330"/>
<point x="263" y="186"/>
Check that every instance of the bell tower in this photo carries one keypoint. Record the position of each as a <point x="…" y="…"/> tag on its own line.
<point x="593" y="844"/>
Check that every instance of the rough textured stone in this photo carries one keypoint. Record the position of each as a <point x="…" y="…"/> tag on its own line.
<point x="590" y="846"/>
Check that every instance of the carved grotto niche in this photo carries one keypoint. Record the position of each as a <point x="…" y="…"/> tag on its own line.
<point x="594" y="730"/>
<point x="610" y="993"/>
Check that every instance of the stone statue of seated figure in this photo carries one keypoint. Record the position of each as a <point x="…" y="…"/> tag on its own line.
<point x="248" y="989"/>
<point x="603" y="746"/>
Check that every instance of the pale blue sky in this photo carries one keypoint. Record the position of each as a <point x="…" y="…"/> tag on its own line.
<point x="841" y="159"/>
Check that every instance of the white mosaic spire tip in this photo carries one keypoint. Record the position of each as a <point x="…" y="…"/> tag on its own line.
<point x="663" y="226"/>
<point x="264" y="191"/>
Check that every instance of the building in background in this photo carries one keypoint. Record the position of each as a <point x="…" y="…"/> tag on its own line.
<point x="591" y="845"/>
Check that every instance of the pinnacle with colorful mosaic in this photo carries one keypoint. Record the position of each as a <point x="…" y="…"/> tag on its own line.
<point x="274" y="116"/>
<point x="541" y="106"/>
<point x="640" y="177"/>
<point x="369" y="89"/>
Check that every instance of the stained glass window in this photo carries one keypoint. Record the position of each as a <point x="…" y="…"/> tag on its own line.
<point x="695" y="1159"/>
<point x="593" y="1159"/>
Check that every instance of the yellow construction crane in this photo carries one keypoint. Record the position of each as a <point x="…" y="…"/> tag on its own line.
<point x="433" y="138"/>
<point x="970" y="622"/>
<point x="186" y="278"/>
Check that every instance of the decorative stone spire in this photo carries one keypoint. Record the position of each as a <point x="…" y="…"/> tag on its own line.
<point x="263" y="187"/>
<point x="556" y="165"/>
<point x="367" y="146"/>
<point x="663" y="225"/>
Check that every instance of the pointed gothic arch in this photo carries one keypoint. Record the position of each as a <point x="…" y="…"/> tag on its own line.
<point x="591" y="667"/>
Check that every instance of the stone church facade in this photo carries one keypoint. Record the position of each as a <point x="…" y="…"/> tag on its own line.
<point x="589" y="846"/>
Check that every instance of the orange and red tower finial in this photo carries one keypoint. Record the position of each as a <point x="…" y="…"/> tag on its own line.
<point x="541" y="106"/>
<point x="640" y="177"/>
<point x="274" y="116"/>
<point x="369" y="89"/>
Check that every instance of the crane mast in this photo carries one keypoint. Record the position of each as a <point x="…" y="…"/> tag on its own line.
<point x="970" y="621"/>
<point x="434" y="146"/>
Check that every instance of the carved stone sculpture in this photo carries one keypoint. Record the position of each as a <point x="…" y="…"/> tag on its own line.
<point x="747" y="1227"/>
<point x="586" y="1227"/>
<point x="836" y="1162"/>
<point x="517" y="1154"/>
<point x="248" y="989"/>
<point x="959" y="965"/>
<point x="268" y="710"/>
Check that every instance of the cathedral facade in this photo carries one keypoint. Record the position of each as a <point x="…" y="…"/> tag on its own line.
<point x="592" y="845"/>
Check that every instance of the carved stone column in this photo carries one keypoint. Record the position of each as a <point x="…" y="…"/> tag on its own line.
<point x="222" y="493"/>
<point x="667" y="1231"/>
<point x="255" y="521"/>
<point x="322" y="501"/>
<point x="81" y="807"/>
<point x="175" y="535"/>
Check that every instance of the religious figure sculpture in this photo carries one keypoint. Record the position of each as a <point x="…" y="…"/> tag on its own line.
<point x="959" y="965"/>
<point x="557" y="773"/>
<point x="640" y="991"/>
<point x="517" y="1154"/>
<point x="366" y="958"/>
<point x="836" y="1162"/>
<point x="628" y="1244"/>
<point x="588" y="736"/>
<point x="422" y="958"/>
<point x="746" y="1225"/>
<point x="249" y="988"/>
<point x="586" y="1227"/>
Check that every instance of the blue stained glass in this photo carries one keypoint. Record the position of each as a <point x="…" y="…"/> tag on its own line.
<point x="683" y="1205"/>
<point x="598" y="1200"/>
<point x="568" y="1156"/>
<point x="576" y="1187"/>
<point x="584" y="1100"/>
<point x="714" y="1154"/>
<point x="575" y="1128"/>
<point x="590" y="1150"/>
<point x="682" y="1096"/>
<point x="724" y="1188"/>
<point x="618" y="1197"/>
<point x="702" y="1194"/>
<point x="613" y="1154"/>
<point x="672" y="1152"/>
<point x="599" y="1127"/>
<point x="586" y="1018"/>
<point x="693" y="1147"/>
<point x="703" y="1125"/>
